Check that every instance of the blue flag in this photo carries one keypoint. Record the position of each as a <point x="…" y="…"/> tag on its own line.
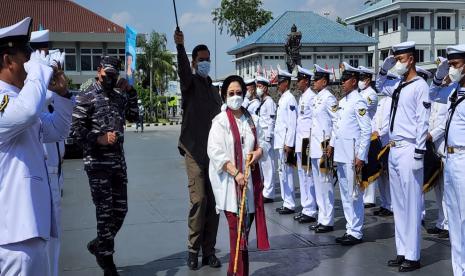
<point x="130" y="65"/>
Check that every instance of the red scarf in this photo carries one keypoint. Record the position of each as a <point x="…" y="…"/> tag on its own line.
<point x="260" y="220"/>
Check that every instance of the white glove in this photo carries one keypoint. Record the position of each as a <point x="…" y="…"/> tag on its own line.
<point x="417" y="164"/>
<point x="388" y="63"/>
<point x="37" y="57"/>
<point x="443" y="69"/>
<point x="57" y="59"/>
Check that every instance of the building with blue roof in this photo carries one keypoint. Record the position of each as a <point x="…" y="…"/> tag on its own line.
<point x="324" y="42"/>
<point x="432" y="24"/>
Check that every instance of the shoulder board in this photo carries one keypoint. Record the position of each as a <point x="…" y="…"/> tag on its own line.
<point x="370" y="101"/>
<point x="426" y="105"/>
<point x="334" y="108"/>
<point x="4" y="103"/>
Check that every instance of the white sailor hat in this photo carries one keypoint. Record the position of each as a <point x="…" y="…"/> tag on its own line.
<point x="263" y="80"/>
<point x="217" y="84"/>
<point x="250" y="82"/>
<point x="17" y="35"/>
<point x="320" y="72"/>
<point x="423" y="73"/>
<point x="283" y="75"/>
<point x="365" y="72"/>
<point x="39" y="39"/>
<point x="303" y="73"/>
<point x="456" y="52"/>
<point x="349" y="71"/>
<point x="403" y="48"/>
<point x="110" y="64"/>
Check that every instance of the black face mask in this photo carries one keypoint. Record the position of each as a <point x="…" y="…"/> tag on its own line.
<point x="108" y="83"/>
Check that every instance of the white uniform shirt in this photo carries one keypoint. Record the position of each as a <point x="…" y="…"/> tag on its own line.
<point x="253" y="106"/>
<point x="267" y="117"/>
<point x="353" y="122"/>
<point x="304" y="118"/>
<point x="369" y="94"/>
<point x="437" y="124"/>
<point x="456" y="136"/>
<point x="220" y="150"/>
<point x="245" y="103"/>
<point x="24" y="188"/>
<point x="411" y="121"/>
<point x="380" y="122"/>
<point x="286" y="121"/>
<point x="324" y="110"/>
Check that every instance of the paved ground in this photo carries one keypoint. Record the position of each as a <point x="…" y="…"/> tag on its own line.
<point x="153" y="238"/>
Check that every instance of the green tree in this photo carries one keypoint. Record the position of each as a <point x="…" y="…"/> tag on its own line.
<point x="341" y="21"/>
<point x="241" y="17"/>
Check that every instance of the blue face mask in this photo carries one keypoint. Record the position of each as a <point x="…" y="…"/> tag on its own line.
<point x="203" y="68"/>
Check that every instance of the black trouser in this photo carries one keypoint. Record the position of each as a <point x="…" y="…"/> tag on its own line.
<point x="109" y="194"/>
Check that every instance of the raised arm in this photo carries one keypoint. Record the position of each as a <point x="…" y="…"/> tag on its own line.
<point x="184" y="68"/>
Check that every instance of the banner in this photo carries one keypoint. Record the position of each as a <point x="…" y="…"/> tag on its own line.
<point x="130" y="64"/>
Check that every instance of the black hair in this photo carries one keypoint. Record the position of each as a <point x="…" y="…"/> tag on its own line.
<point x="197" y="49"/>
<point x="128" y="54"/>
<point x="12" y="51"/>
<point x="228" y="81"/>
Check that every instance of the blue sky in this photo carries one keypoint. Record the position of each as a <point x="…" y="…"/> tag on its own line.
<point x="195" y="19"/>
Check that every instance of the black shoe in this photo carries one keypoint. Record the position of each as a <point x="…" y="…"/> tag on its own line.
<point x="369" y="205"/>
<point x="306" y="219"/>
<point x="298" y="216"/>
<point x="324" y="229"/>
<point x="267" y="200"/>
<point x="92" y="246"/>
<point x="397" y="261"/>
<point x="212" y="261"/>
<point x="313" y="227"/>
<point x="285" y="211"/>
<point x="407" y="266"/>
<point x="193" y="261"/>
<point x="110" y="267"/>
<point x="351" y="240"/>
<point x="444" y="234"/>
<point x="339" y="239"/>
<point x="433" y="231"/>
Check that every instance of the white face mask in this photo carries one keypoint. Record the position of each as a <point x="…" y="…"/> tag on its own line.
<point x="234" y="102"/>
<point x="455" y="74"/>
<point x="401" y="68"/>
<point x="260" y="92"/>
<point x="362" y="85"/>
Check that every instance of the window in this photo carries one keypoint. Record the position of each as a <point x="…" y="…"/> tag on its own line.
<point x="370" y="60"/>
<point x="118" y="53"/>
<point x="333" y="56"/>
<point x="385" y="27"/>
<point x="361" y="30"/>
<point x="384" y="54"/>
<point x="353" y="60"/>
<point x="442" y="53"/>
<point x="90" y="59"/>
<point x="321" y="57"/>
<point x="395" y="24"/>
<point x="443" y="23"/>
<point x="420" y="55"/>
<point x="70" y="58"/>
<point x="370" y="30"/>
<point x="417" y="23"/>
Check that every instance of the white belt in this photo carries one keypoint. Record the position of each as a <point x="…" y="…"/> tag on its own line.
<point x="52" y="170"/>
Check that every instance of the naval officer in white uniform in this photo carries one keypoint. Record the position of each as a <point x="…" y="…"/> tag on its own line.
<point x="27" y="221"/>
<point x="284" y="141"/>
<point x="350" y="141"/>
<point x="408" y="129"/>
<point x="454" y="177"/>
<point x="304" y="124"/>
<point x="266" y="112"/>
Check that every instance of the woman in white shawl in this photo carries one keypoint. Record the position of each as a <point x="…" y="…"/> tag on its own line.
<point x="234" y="134"/>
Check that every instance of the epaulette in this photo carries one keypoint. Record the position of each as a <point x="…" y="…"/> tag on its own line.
<point x="4" y="103"/>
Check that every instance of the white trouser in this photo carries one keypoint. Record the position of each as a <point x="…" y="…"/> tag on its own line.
<point x="26" y="258"/>
<point x="53" y="245"/>
<point x="369" y="194"/>
<point x="286" y="181"/>
<point x="384" y="191"/>
<point x="442" y="221"/>
<point x="307" y="189"/>
<point x="324" y="193"/>
<point x="454" y="189"/>
<point x="406" y="194"/>
<point x="268" y="169"/>
<point x="352" y="202"/>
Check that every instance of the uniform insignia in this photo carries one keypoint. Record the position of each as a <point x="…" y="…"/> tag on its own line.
<point x="272" y="116"/>
<point x="362" y="112"/>
<point x="370" y="101"/>
<point x="292" y="107"/>
<point x="334" y="108"/>
<point x="4" y="103"/>
<point x="426" y="105"/>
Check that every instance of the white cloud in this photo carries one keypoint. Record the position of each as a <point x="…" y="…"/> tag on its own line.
<point x="121" y="18"/>
<point x="189" y="18"/>
<point x="205" y="3"/>
<point x="333" y="7"/>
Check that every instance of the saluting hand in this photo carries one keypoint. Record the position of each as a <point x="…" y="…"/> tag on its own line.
<point x="179" y="38"/>
<point x="108" y="138"/>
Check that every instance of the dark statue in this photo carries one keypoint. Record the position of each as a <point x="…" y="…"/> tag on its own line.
<point x="293" y="46"/>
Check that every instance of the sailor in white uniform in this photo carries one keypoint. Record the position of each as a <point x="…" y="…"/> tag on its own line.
<point x="54" y="152"/>
<point x="267" y="116"/>
<point x="251" y="86"/>
<point x="284" y="141"/>
<point x="350" y="142"/>
<point x="369" y="94"/>
<point x="453" y="94"/>
<point x="304" y="124"/>
<point x="27" y="221"/>
<point x="408" y="129"/>
<point x="324" y="108"/>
